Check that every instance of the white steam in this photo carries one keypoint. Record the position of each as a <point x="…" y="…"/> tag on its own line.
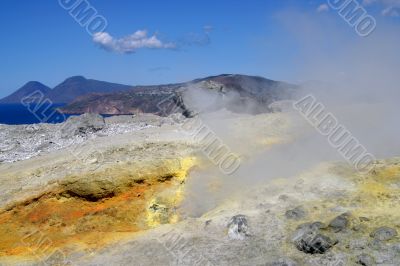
<point x="356" y="78"/>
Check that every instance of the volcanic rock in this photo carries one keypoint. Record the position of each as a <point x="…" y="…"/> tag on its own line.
<point x="308" y="239"/>
<point x="384" y="233"/>
<point x="238" y="227"/>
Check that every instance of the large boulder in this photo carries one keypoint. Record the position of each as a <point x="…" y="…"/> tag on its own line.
<point x="82" y="125"/>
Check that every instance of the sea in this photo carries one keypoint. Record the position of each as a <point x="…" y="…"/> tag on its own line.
<point x="18" y="114"/>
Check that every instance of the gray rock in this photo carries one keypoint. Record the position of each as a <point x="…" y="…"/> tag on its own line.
<point x="384" y="233"/>
<point x="365" y="260"/>
<point x="296" y="213"/>
<point x="82" y="125"/>
<point x="238" y="227"/>
<point x="308" y="239"/>
<point x="340" y="222"/>
<point x="376" y="244"/>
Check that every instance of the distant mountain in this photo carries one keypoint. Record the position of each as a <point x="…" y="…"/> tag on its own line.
<point x="238" y="93"/>
<point x="77" y="86"/>
<point x="25" y="90"/>
<point x="67" y="91"/>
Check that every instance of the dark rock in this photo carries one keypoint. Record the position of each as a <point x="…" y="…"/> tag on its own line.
<point x="340" y="223"/>
<point x="314" y="243"/>
<point x="178" y="100"/>
<point x="296" y="213"/>
<point x="365" y="260"/>
<point x="308" y="239"/>
<point x="238" y="227"/>
<point x="384" y="233"/>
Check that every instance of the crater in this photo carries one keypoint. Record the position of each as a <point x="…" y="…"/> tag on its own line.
<point x="94" y="209"/>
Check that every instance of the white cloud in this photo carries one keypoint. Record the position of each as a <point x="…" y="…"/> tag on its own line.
<point x="130" y="43"/>
<point x="323" y="8"/>
<point x="390" y="12"/>
<point x="390" y="7"/>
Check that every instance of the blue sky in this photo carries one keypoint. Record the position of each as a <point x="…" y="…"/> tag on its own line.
<point x="42" y="41"/>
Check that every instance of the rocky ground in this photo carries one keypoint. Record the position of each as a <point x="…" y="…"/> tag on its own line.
<point x="26" y="141"/>
<point x="95" y="192"/>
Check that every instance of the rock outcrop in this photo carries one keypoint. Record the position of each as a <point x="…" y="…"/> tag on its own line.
<point x="82" y="125"/>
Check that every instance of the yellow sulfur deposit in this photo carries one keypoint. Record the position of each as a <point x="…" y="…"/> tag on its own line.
<point x="75" y="213"/>
<point x="162" y="208"/>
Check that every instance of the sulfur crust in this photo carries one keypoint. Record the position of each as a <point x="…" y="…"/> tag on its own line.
<point x="67" y="218"/>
